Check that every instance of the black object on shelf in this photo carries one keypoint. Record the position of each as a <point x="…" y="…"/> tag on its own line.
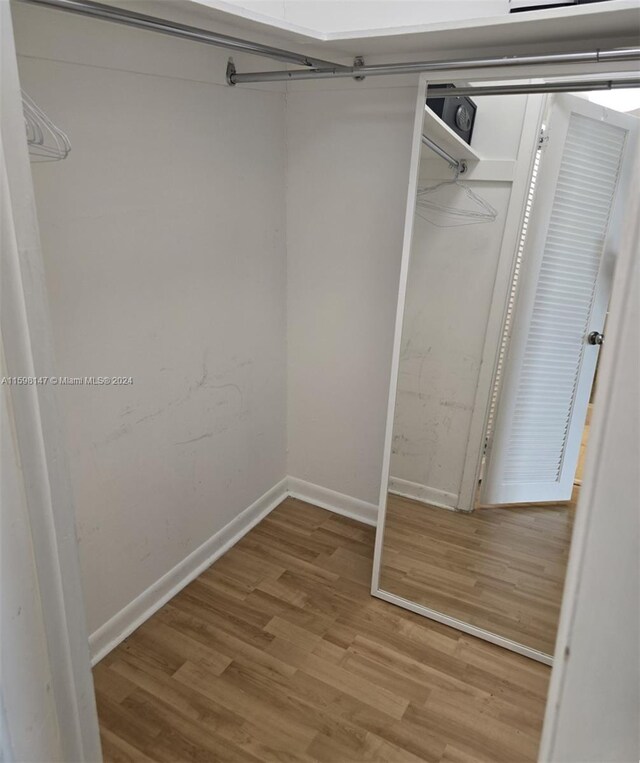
<point x="458" y="112"/>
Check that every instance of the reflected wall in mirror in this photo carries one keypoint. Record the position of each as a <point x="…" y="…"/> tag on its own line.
<point x="509" y="278"/>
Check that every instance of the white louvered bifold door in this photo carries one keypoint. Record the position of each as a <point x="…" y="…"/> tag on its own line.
<point x="563" y="295"/>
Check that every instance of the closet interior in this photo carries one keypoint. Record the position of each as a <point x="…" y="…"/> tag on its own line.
<point x="223" y="230"/>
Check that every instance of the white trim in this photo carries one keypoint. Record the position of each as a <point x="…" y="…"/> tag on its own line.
<point x="414" y="171"/>
<point x="338" y="503"/>
<point x="27" y="340"/>
<point x="122" y="624"/>
<point x="130" y="617"/>
<point x="603" y="440"/>
<point x="460" y="625"/>
<point x="423" y="493"/>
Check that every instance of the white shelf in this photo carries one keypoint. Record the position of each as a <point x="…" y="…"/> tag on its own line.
<point x="433" y="127"/>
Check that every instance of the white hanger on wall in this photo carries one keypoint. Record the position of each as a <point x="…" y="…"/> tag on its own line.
<point x="46" y="141"/>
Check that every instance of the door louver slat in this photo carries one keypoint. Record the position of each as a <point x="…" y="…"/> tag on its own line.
<point x="570" y="262"/>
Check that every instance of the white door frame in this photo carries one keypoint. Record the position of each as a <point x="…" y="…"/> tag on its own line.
<point x="28" y="345"/>
<point x="593" y="703"/>
<point x="491" y="345"/>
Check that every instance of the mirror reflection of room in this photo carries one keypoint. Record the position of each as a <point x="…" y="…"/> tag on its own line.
<point x="518" y="195"/>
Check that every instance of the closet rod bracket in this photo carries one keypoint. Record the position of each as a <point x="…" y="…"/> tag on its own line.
<point x="358" y="63"/>
<point x="231" y="70"/>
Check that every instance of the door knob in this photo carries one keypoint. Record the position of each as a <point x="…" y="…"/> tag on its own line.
<point x="595" y="337"/>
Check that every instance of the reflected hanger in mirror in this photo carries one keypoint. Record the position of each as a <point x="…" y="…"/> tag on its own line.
<point x="442" y="206"/>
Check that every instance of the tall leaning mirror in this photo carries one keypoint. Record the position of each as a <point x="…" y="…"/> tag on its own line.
<point x="504" y="297"/>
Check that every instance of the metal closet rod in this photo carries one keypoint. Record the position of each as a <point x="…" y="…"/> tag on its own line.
<point x="419" y="67"/>
<point x="319" y="69"/>
<point x="460" y="166"/>
<point x="155" y="24"/>
<point x="566" y="86"/>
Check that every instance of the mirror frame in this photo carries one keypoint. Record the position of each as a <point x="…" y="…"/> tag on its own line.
<point x="495" y="326"/>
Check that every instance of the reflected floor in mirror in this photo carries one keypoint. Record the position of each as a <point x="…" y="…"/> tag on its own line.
<point x="501" y="568"/>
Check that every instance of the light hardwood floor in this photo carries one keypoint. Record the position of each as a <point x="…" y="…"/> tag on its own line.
<point x="500" y="568"/>
<point x="279" y="653"/>
<point x="583" y="446"/>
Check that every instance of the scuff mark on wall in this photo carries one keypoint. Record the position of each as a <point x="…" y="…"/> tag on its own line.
<point x="121" y="431"/>
<point x="232" y="407"/>
<point x="196" y="439"/>
<point x="454" y="404"/>
<point x="152" y="415"/>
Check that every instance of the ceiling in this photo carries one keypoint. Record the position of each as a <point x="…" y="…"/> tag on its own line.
<point x="565" y="28"/>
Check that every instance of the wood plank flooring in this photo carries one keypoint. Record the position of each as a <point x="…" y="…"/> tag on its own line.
<point x="500" y="568"/>
<point x="583" y="447"/>
<point x="279" y="653"/>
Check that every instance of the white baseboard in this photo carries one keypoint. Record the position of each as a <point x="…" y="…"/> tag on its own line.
<point x="422" y="493"/>
<point x="354" y="508"/>
<point x="121" y="625"/>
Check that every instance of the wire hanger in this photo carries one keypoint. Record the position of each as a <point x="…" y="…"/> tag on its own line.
<point x="431" y="205"/>
<point x="47" y="143"/>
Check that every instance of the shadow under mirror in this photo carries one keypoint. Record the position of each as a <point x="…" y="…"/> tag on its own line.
<point x="518" y="214"/>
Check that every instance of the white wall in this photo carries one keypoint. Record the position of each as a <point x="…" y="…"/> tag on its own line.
<point x="348" y="170"/>
<point x="164" y="247"/>
<point x="449" y="296"/>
